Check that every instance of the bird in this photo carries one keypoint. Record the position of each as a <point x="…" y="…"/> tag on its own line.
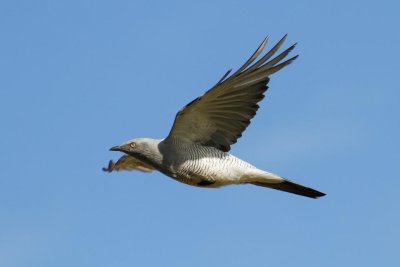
<point x="196" y="150"/>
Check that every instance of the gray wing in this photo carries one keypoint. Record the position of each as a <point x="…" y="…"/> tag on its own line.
<point x="128" y="163"/>
<point x="219" y="117"/>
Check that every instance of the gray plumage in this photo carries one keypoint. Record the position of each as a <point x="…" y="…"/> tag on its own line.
<point x="196" y="150"/>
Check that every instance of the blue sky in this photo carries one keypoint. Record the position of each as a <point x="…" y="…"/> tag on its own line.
<point x="78" y="77"/>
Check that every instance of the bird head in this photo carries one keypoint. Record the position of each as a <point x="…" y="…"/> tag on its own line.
<point x="139" y="148"/>
<point x="130" y="147"/>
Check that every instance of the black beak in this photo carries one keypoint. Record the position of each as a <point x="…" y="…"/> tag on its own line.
<point x="115" y="148"/>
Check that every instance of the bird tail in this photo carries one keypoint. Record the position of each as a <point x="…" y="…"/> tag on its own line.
<point x="291" y="187"/>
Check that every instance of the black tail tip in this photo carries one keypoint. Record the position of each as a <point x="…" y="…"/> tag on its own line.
<point x="294" y="188"/>
<point x="318" y="194"/>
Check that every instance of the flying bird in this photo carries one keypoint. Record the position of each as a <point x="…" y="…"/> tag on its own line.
<point x="195" y="152"/>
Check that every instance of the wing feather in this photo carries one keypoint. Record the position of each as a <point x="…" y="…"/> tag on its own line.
<point x="128" y="163"/>
<point x="219" y="117"/>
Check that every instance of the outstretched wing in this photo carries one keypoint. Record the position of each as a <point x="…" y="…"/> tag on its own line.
<point x="128" y="163"/>
<point x="219" y="117"/>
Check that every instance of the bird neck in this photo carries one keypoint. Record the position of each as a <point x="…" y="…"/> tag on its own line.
<point x="150" y="153"/>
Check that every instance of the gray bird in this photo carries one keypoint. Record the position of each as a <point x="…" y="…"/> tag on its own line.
<point x="196" y="150"/>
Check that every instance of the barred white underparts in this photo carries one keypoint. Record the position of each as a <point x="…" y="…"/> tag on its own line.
<point x="210" y="166"/>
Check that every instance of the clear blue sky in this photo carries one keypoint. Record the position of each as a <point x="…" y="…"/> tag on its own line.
<point x="78" y="77"/>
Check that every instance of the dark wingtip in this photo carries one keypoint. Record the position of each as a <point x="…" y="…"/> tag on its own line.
<point x="223" y="77"/>
<point x="110" y="167"/>
<point x="293" y="58"/>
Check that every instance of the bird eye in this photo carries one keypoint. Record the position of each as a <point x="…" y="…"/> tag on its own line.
<point x="132" y="145"/>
